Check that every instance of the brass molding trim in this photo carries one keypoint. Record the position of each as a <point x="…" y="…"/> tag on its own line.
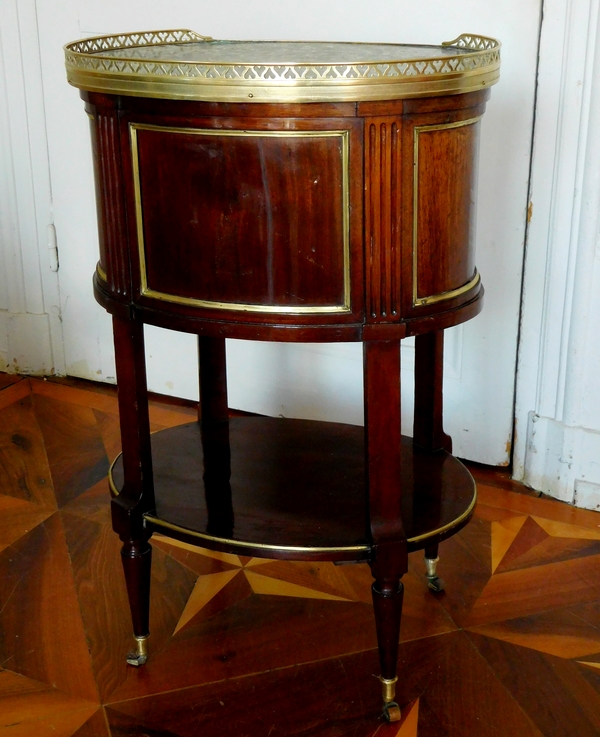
<point x="90" y="66"/>
<point x="257" y="546"/>
<point x="101" y="273"/>
<point x="431" y="299"/>
<point x="449" y="294"/>
<point x="114" y="492"/>
<point x="147" y="291"/>
<point x="451" y="525"/>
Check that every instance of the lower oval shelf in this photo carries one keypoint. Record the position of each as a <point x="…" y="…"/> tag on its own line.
<point x="296" y="489"/>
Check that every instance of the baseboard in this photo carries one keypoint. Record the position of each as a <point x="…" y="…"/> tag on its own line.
<point x="25" y="346"/>
<point x="563" y="461"/>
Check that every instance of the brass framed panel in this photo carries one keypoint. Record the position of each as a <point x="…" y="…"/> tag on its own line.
<point x="146" y="291"/>
<point x="433" y="298"/>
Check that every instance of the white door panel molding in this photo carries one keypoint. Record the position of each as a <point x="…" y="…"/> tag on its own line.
<point x="558" y="391"/>
<point x="32" y="333"/>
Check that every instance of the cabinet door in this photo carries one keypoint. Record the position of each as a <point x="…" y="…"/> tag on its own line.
<point x="249" y="219"/>
<point x="321" y="381"/>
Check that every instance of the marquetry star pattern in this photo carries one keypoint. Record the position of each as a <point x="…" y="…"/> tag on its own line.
<point x="223" y="571"/>
<point x="242" y="642"/>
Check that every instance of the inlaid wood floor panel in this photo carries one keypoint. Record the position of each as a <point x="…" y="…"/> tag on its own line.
<point x="28" y="707"/>
<point x="8" y="379"/>
<point x="96" y="726"/>
<point x="43" y="636"/>
<point x="73" y="445"/>
<point x="246" y="646"/>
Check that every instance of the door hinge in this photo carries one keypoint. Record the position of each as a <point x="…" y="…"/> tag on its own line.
<point x="52" y="248"/>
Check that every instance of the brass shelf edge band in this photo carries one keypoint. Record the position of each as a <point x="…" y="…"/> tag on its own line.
<point x="451" y="525"/>
<point x="294" y="549"/>
<point x="146" y="291"/>
<point x="470" y="70"/>
<point x="111" y="483"/>
<point x="258" y="546"/>
<point x="450" y="294"/>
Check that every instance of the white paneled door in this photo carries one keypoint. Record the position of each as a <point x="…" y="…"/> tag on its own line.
<point x="317" y="381"/>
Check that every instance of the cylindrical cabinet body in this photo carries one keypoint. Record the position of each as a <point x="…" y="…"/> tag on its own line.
<point x="271" y="219"/>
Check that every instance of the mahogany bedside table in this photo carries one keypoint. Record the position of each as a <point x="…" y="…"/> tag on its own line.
<point x="287" y="192"/>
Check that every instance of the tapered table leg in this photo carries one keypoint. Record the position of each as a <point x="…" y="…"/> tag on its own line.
<point x="387" y="603"/>
<point x="389" y="561"/>
<point x="212" y="362"/>
<point x="428" y="430"/>
<point x="137" y="560"/>
<point x="137" y="495"/>
<point x="213" y="415"/>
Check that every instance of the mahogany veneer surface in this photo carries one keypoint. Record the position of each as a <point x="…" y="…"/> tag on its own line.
<point x="278" y="221"/>
<point x="296" y="483"/>
<point x="248" y="646"/>
<point x="204" y="195"/>
<point x="445" y="238"/>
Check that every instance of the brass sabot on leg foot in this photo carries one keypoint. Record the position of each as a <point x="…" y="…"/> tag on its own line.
<point x="391" y="710"/>
<point x="140" y="655"/>
<point x="434" y="582"/>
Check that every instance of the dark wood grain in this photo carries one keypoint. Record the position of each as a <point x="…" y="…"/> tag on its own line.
<point x="292" y="701"/>
<point x="388" y="595"/>
<point x="295" y="275"/>
<point x="43" y="635"/>
<point x="212" y="359"/>
<point x="24" y="466"/>
<point x="445" y="207"/>
<point x="204" y="195"/>
<point x="136" y="557"/>
<point x="382" y="440"/>
<point x="335" y="686"/>
<point x="28" y="707"/>
<point x="304" y="266"/>
<point x="138" y="496"/>
<point x="428" y="426"/>
<point x="299" y="482"/>
<point x="574" y="710"/>
<point x="9" y="379"/>
<point x="95" y="726"/>
<point x="74" y="447"/>
<point x="383" y="160"/>
<point x="253" y="634"/>
<point x="108" y="175"/>
<point x="190" y="109"/>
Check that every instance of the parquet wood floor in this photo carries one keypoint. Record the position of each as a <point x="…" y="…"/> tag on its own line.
<point x="247" y="647"/>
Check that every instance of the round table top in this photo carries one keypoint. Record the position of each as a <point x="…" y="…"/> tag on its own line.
<point x="181" y="64"/>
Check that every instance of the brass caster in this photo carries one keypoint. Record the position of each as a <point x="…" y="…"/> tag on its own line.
<point x="391" y="712"/>
<point x="434" y="582"/>
<point x="140" y="655"/>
